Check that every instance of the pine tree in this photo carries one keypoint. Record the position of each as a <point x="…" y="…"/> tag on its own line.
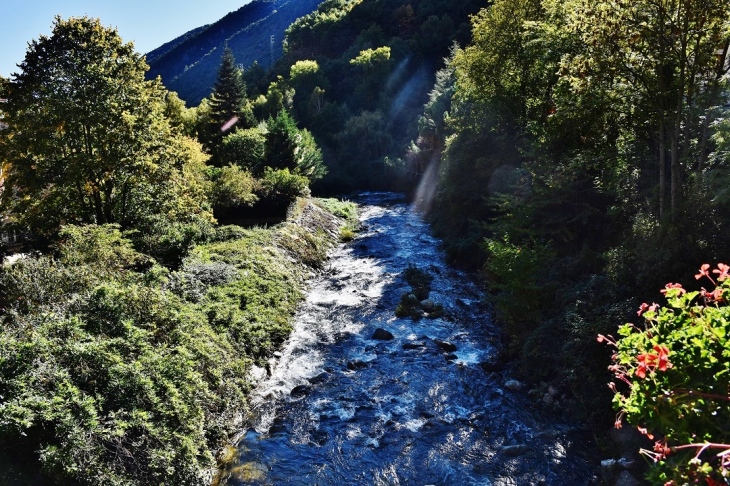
<point x="282" y="142"/>
<point x="228" y="101"/>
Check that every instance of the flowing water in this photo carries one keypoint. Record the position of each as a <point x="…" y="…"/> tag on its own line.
<point x="341" y="408"/>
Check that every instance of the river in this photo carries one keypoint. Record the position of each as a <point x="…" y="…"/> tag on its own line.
<point x="341" y="408"/>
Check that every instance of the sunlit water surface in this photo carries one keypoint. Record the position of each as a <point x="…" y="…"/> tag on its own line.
<point x="400" y="415"/>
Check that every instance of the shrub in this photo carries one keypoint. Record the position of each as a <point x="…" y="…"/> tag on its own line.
<point x="677" y="369"/>
<point x="244" y="148"/>
<point x="281" y="187"/>
<point x="171" y="241"/>
<point x="513" y="277"/>
<point x="229" y="232"/>
<point x="232" y="187"/>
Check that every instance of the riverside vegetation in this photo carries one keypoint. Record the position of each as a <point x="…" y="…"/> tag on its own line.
<point x="118" y="370"/>
<point x="126" y="342"/>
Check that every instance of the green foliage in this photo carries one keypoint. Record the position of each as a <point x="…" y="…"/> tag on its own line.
<point x="515" y="280"/>
<point x="104" y="248"/>
<point x="310" y="162"/>
<point x="170" y="241"/>
<point x="282" y="187"/>
<point x="372" y="59"/>
<point x="244" y="148"/>
<point x="232" y="187"/>
<point x="344" y="209"/>
<point x="279" y="97"/>
<point x="377" y="59"/>
<point x="281" y="142"/>
<point x="584" y="133"/>
<point x="366" y="137"/>
<point x="228" y="104"/>
<point x="117" y="375"/>
<point x="678" y="367"/>
<point x="90" y="140"/>
<point x="292" y="149"/>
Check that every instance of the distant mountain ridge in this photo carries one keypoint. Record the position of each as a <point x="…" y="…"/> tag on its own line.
<point x="189" y="63"/>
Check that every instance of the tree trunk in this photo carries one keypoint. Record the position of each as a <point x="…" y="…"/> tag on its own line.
<point x="662" y="169"/>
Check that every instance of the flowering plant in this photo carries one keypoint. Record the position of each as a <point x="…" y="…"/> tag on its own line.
<point x="673" y="381"/>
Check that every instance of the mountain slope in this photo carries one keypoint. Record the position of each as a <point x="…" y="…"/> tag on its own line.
<point x="189" y="63"/>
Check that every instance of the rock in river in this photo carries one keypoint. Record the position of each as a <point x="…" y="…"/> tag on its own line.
<point x="445" y="345"/>
<point x="382" y="335"/>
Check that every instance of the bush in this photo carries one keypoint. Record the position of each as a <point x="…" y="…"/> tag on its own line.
<point x="229" y="232"/>
<point x="244" y="148"/>
<point x="104" y="247"/>
<point x="129" y="386"/>
<point x="281" y="187"/>
<point x="513" y="276"/>
<point x="677" y="369"/>
<point x="232" y="187"/>
<point x="171" y="241"/>
<point x="194" y="278"/>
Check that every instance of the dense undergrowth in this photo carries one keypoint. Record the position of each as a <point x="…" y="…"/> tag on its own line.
<point x="115" y="370"/>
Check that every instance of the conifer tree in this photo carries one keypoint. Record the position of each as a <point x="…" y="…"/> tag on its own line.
<point x="228" y="101"/>
<point x="282" y="142"/>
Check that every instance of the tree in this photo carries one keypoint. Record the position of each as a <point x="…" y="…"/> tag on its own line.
<point x="662" y="63"/>
<point x="91" y="143"/>
<point x="281" y="142"/>
<point x="245" y="148"/>
<point x="306" y="79"/>
<point x="374" y="65"/>
<point x="289" y="148"/>
<point x="228" y="100"/>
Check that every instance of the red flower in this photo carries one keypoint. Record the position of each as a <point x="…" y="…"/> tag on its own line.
<point x="715" y="295"/>
<point x="642" y="308"/>
<point x="663" y="352"/>
<point x="650" y="362"/>
<point x="703" y="271"/>
<point x="722" y="271"/>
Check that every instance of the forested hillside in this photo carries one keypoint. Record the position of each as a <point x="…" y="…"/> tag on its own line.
<point x="254" y="33"/>
<point x="357" y="73"/>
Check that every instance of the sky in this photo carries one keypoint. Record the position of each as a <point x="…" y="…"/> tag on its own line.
<point x="149" y="23"/>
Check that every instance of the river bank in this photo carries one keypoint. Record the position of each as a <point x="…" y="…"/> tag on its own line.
<point x="116" y="370"/>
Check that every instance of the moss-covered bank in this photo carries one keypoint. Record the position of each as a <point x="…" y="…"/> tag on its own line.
<point x="115" y="370"/>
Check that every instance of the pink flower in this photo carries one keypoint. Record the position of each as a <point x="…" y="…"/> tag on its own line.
<point x="716" y="295"/>
<point x="642" y="308"/>
<point x="703" y="271"/>
<point x="662" y="449"/>
<point x="671" y="286"/>
<point x="722" y="271"/>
